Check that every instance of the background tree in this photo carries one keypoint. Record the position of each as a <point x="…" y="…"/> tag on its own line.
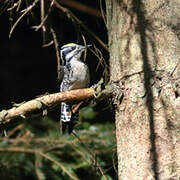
<point x="144" y="62"/>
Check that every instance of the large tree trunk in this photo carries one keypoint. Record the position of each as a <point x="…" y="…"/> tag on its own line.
<point x="145" y="63"/>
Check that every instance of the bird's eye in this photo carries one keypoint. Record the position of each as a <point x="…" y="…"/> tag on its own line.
<point x="72" y="48"/>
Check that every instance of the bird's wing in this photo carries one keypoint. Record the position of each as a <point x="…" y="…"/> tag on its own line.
<point x="61" y="74"/>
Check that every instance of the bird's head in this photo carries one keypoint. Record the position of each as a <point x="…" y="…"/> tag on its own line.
<point x="70" y="51"/>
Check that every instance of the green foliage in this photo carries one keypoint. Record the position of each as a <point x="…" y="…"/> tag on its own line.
<point x="87" y="113"/>
<point x="36" y="150"/>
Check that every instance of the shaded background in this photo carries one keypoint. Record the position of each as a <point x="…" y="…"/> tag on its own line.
<point x="28" y="70"/>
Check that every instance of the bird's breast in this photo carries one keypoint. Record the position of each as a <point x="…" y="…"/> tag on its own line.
<point x="79" y="75"/>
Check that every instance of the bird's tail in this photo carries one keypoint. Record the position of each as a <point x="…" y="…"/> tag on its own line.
<point x="65" y="112"/>
<point x="69" y="116"/>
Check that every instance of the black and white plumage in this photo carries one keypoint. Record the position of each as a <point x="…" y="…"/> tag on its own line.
<point x="75" y="76"/>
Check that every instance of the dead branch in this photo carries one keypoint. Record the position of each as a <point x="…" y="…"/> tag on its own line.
<point x="18" y="149"/>
<point x="25" y="11"/>
<point x="57" y="52"/>
<point x="79" y="22"/>
<point x="45" y="102"/>
<point x="59" y="164"/>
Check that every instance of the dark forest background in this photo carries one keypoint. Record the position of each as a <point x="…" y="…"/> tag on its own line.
<point x="27" y="70"/>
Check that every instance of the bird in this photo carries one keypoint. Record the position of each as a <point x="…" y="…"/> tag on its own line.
<point x="74" y="75"/>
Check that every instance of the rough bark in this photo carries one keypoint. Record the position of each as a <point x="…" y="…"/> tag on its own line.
<point x="144" y="62"/>
<point x="34" y="107"/>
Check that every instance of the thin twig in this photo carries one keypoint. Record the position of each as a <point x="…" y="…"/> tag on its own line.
<point x="18" y="149"/>
<point x="57" y="52"/>
<point x="78" y="21"/>
<point x="92" y="155"/>
<point x="114" y="163"/>
<point x="12" y="7"/>
<point x="14" y="130"/>
<point x="48" y="44"/>
<point x="85" y="53"/>
<point x="43" y="20"/>
<point x="20" y="18"/>
<point x="101" y="59"/>
<point x="19" y="4"/>
<point x="99" y="55"/>
<point x="37" y="166"/>
<point x="103" y="14"/>
<point x="60" y="165"/>
<point x="43" y="16"/>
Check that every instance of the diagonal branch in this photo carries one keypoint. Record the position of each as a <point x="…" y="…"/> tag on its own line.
<point x="43" y="103"/>
<point x="79" y="22"/>
<point x="25" y="11"/>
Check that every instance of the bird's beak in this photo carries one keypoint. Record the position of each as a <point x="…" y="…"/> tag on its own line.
<point x="85" y="47"/>
<point x="88" y="46"/>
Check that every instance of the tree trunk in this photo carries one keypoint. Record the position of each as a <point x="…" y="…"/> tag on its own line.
<point x="145" y="64"/>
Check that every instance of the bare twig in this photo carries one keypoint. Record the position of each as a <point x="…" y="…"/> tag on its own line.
<point x="19" y="4"/>
<point x="37" y="166"/>
<point x="103" y="14"/>
<point x="29" y="8"/>
<point x="57" y="52"/>
<point x="101" y="59"/>
<point x="43" y="17"/>
<point x="79" y="22"/>
<point x="99" y="55"/>
<point x="48" y="44"/>
<point x="59" y="164"/>
<point x="85" y="53"/>
<point x="14" y="130"/>
<point x="92" y="155"/>
<point x="12" y="7"/>
<point x="18" y="149"/>
<point x="114" y="163"/>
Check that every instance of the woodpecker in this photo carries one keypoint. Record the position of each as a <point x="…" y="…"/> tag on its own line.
<point x="75" y="75"/>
